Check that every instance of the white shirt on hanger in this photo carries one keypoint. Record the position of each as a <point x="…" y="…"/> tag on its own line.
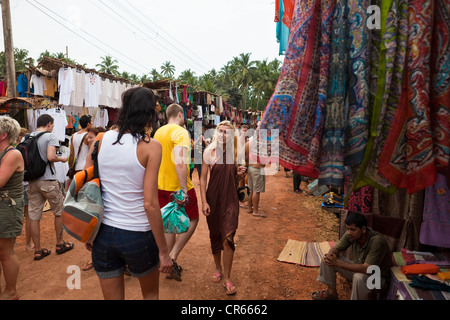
<point x="66" y="85"/>
<point x="101" y="118"/>
<point x="93" y="90"/>
<point x="104" y="97"/>
<point x="115" y="95"/>
<point x="77" y="97"/>
<point x="60" y="121"/>
<point x="38" y="84"/>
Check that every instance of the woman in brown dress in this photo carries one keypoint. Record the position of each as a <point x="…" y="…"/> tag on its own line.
<point x="220" y="203"/>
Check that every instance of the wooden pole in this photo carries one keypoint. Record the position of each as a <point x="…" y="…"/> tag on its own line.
<point x="9" y="50"/>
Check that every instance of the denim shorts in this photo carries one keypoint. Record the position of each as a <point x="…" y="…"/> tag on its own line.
<point x="115" y="249"/>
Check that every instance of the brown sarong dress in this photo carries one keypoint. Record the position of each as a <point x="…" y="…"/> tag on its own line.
<point x="223" y="201"/>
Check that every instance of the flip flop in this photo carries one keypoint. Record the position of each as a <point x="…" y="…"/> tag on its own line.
<point x="260" y="215"/>
<point x="42" y="254"/>
<point x="216" y="277"/>
<point x="230" y="288"/>
<point x="323" y="295"/>
<point x="16" y="297"/>
<point x="87" y="266"/>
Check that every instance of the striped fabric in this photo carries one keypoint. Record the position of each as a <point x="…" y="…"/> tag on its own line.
<point x="304" y="253"/>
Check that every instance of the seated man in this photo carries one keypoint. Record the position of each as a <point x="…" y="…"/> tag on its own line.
<point x="369" y="249"/>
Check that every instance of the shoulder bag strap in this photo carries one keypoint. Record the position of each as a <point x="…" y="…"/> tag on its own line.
<point x="79" y="150"/>
<point x="95" y="154"/>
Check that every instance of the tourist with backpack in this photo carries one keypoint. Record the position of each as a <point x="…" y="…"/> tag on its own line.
<point x="44" y="186"/>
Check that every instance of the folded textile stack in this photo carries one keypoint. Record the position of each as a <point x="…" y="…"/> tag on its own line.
<point x="425" y="283"/>
<point x="420" y="269"/>
<point x="444" y="275"/>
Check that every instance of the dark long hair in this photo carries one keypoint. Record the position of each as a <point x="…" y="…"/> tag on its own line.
<point x="137" y="113"/>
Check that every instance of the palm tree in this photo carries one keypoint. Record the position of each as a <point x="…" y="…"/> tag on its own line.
<point x="21" y="59"/>
<point x="244" y="73"/>
<point x="155" y="76"/>
<point x="168" y="69"/>
<point x="46" y="53"/>
<point x="108" y="65"/>
<point x="188" y="76"/>
<point x="134" y="77"/>
<point x="226" y="75"/>
<point x="125" y="75"/>
<point x="265" y="83"/>
<point x="144" y="79"/>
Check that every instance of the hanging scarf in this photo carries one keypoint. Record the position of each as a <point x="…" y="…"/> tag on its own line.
<point x="333" y="139"/>
<point x="170" y="92"/>
<point x="440" y="84"/>
<point x="389" y="47"/>
<point x="358" y="82"/>
<point x="407" y="159"/>
<point x="296" y="108"/>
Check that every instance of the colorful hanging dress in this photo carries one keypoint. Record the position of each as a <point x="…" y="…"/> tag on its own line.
<point x="388" y="61"/>
<point x="333" y="139"/>
<point x="408" y="159"/>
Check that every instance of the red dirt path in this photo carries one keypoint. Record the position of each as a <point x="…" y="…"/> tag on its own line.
<point x="256" y="272"/>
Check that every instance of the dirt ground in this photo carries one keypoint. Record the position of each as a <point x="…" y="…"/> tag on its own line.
<point x="256" y="272"/>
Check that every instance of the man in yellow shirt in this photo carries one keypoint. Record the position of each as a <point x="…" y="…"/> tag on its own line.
<point x="174" y="175"/>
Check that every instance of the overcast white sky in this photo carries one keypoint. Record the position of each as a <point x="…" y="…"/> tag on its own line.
<point x="192" y="34"/>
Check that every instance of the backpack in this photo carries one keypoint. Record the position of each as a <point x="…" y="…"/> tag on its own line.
<point x="34" y="165"/>
<point x="83" y="205"/>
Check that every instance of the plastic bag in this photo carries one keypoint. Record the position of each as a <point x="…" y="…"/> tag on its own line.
<point x="175" y="219"/>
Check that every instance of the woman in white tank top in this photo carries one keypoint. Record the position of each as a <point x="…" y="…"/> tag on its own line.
<point x="132" y="232"/>
<point x="77" y="139"/>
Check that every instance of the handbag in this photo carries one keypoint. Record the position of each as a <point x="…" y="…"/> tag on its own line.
<point x="71" y="172"/>
<point x="175" y="219"/>
<point x="83" y="206"/>
<point x="243" y="193"/>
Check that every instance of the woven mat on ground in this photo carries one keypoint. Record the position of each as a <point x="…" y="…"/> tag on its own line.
<point x="308" y="254"/>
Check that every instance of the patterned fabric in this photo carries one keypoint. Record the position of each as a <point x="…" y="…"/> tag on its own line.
<point x="359" y="200"/>
<point x="333" y="138"/>
<point x="372" y="104"/>
<point x="407" y="159"/>
<point x="388" y="60"/>
<point x="435" y="228"/>
<point x="440" y="84"/>
<point x="297" y="105"/>
<point x="358" y="82"/>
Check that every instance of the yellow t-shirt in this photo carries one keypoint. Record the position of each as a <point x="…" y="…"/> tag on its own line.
<point x="170" y="136"/>
<point x="52" y="87"/>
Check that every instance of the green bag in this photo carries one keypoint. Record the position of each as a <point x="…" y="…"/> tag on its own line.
<point x="175" y="219"/>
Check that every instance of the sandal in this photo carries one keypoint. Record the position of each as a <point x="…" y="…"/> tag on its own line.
<point x="230" y="288"/>
<point x="260" y="215"/>
<point x="175" y="273"/>
<point x="64" y="247"/>
<point x="216" y="277"/>
<point x="87" y="266"/>
<point x="42" y="254"/>
<point x="323" y="295"/>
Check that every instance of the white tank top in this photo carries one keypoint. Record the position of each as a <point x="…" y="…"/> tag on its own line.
<point x="76" y="140"/>
<point x="122" y="181"/>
